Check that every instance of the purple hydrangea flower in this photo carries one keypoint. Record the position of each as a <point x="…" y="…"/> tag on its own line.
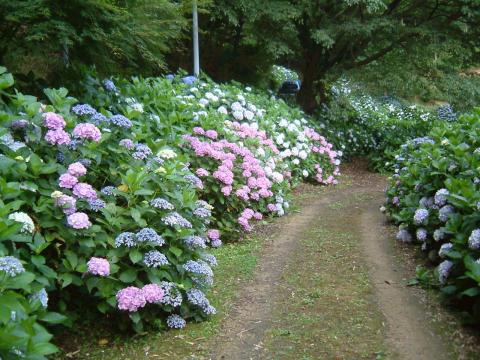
<point x="216" y="243"/>
<point x="155" y="258"/>
<point x="53" y="121"/>
<point x="79" y="220"/>
<point x="11" y="266"/>
<point x="404" y="236"/>
<point x="131" y="299"/>
<point x="98" y="266"/>
<point x="84" y="191"/>
<point x="195" y="181"/>
<point x="67" y="203"/>
<point x="421" y="234"/>
<point x="67" y="181"/>
<point x="153" y="293"/>
<point x="176" y="322"/>
<point x="213" y="234"/>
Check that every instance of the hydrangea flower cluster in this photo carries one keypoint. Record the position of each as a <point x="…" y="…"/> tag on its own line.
<point x="11" y="266"/>
<point x="55" y="135"/>
<point x="27" y="223"/>
<point x="145" y="235"/>
<point x="132" y="299"/>
<point x="98" y="266"/>
<point x="201" y="272"/>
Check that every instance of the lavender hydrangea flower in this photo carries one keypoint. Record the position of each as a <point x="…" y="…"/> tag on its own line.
<point x="127" y="144"/>
<point x="41" y="296"/>
<point x="153" y="293"/>
<point x="131" y="299"/>
<point x="53" y="121"/>
<point x="79" y="220"/>
<point x="404" y="236"/>
<point x="83" y="110"/>
<point x="96" y="205"/>
<point x="84" y="191"/>
<point x="441" y="197"/>
<point x="175" y="218"/>
<point x="216" y="243"/>
<point x="444" y="270"/>
<point x="171" y="294"/>
<point x="202" y="213"/>
<point x="11" y="266"/>
<point x="421" y="234"/>
<point x="108" y="190"/>
<point x="420" y="217"/>
<point x="99" y="119"/>
<point x="150" y="235"/>
<point x="67" y="204"/>
<point x="57" y="137"/>
<point x="201" y="272"/>
<point x="98" y="266"/>
<point x="155" y="258"/>
<point x="121" y="121"/>
<point x="426" y="202"/>
<point x="87" y="131"/>
<point x="175" y="321"/>
<point x="77" y="169"/>
<point x="195" y="181"/>
<point x="127" y="239"/>
<point x="474" y="240"/>
<point x="444" y="249"/>
<point x="19" y="124"/>
<point x="445" y="212"/>
<point x="163" y="204"/>
<point x="195" y="242"/>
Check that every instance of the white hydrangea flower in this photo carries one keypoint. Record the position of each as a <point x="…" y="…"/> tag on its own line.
<point x="212" y="97"/>
<point x="203" y="102"/>
<point x="305" y="173"/>
<point x="222" y="110"/>
<point x="248" y="115"/>
<point x="283" y="123"/>
<point x="21" y="217"/>
<point x="277" y="177"/>
<point x="303" y="154"/>
<point x="238" y="115"/>
<point x="236" y="106"/>
<point x="254" y="125"/>
<point x="295" y="151"/>
<point x="251" y="107"/>
<point x="193" y="89"/>
<point x="296" y="161"/>
<point x="167" y="154"/>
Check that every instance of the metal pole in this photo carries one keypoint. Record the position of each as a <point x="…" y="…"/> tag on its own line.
<point x="196" y="56"/>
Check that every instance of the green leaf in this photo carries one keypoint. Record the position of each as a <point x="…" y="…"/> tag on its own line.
<point x="53" y="318"/>
<point x="176" y="251"/>
<point x="128" y="276"/>
<point x="135" y="256"/>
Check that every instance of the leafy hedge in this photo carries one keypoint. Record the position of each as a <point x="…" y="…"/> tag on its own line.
<point x="434" y="198"/>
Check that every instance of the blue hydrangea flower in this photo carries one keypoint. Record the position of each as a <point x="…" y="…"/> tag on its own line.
<point x="194" y="180"/>
<point x="444" y="249"/>
<point x="404" y="236"/>
<point x="83" y="110"/>
<point x="474" y="240"/>
<point x="441" y="197"/>
<point x="421" y="234"/>
<point x="420" y="217"/>
<point x="60" y="156"/>
<point x="194" y="242"/>
<point x="150" y="235"/>
<point x="197" y="297"/>
<point x="445" y="212"/>
<point x="109" y="85"/>
<point x="85" y="162"/>
<point x="96" y="205"/>
<point x="444" y="270"/>
<point x="142" y="151"/>
<point x="175" y="218"/>
<point x="155" y="259"/>
<point x="108" y="190"/>
<point x="41" y="296"/>
<point x="439" y="234"/>
<point x="98" y="119"/>
<point x="189" y="80"/>
<point x="171" y="294"/>
<point x="200" y="271"/>
<point x="202" y="213"/>
<point x="176" y="322"/>
<point x="210" y="259"/>
<point x="121" y="121"/>
<point x="163" y="204"/>
<point x="127" y="239"/>
<point x="11" y="266"/>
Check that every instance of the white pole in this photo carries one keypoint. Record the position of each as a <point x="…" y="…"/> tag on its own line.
<point x="196" y="56"/>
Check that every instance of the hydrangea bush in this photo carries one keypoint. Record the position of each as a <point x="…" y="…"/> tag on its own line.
<point x="434" y="198"/>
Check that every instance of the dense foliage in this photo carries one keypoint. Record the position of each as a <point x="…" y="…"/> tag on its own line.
<point x="434" y="198"/>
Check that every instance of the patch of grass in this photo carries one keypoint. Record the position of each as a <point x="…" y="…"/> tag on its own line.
<point x="236" y="264"/>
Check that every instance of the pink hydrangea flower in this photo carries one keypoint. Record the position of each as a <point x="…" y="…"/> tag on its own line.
<point x="67" y="181"/>
<point x="258" y="216"/>
<point x="131" y="299"/>
<point x="271" y="207"/>
<point x="79" y="220"/>
<point x="198" y="130"/>
<point x="212" y="134"/>
<point x="213" y="234"/>
<point x="201" y="172"/>
<point x="57" y="137"/>
<point x="227" y="190"/>
<point x="77" y="169"/>
<point x="98" y="266"/>
<point x="87" y="131"/>
<point x="84" y="191"/>
<point x="152" y="293"/>
<point x="53" y="121"/>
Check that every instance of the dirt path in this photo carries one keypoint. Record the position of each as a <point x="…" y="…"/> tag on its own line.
<point x="327" y="286"/>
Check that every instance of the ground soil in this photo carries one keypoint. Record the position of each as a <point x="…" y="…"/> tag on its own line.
<point x="354" y="209"/>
